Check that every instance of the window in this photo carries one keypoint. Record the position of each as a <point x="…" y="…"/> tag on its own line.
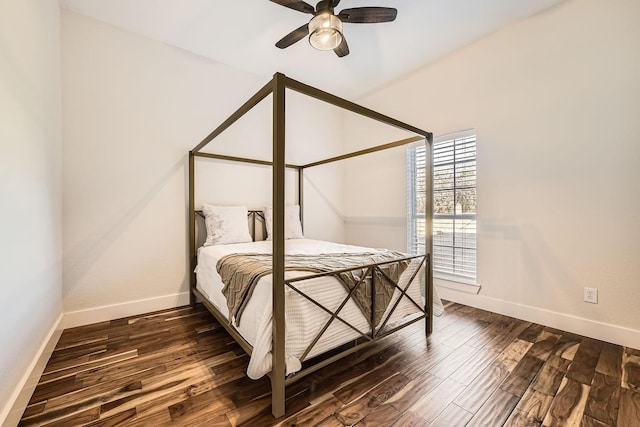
<point x="454" y="204"/>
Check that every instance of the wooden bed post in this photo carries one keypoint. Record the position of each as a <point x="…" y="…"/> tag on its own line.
<point x="278" y="189"/>
<point x="192" y="230"/>
<point x="301" y="196"/>
<point x="428" y="231"/>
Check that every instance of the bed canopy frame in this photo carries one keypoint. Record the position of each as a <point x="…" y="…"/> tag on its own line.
<point x="277" y="87"/>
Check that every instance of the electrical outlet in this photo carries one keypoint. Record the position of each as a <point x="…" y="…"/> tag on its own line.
<point x="591" y="295"/>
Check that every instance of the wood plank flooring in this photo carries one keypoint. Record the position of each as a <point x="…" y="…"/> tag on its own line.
<point x="179" y="367"/>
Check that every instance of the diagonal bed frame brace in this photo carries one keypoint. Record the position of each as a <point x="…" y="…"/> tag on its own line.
<point x="326" y="310"/>
<point x="397" y="286"/>
<point x="335" y="314"/>
<point x="404" y="293"/>
<point x="368" y="272"/>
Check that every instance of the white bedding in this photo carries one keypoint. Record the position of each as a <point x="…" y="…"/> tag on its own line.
<point x="303" y="319"/>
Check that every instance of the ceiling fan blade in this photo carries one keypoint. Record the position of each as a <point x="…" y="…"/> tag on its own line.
<point x="298" y="5"/>
<point x="368" y="15"/>
<point x="294" y="36"/>
<point x="334" y="3"/>
<point x="342" y="49"/>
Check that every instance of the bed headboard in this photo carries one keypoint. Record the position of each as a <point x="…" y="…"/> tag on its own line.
<point x="257" y="226"/>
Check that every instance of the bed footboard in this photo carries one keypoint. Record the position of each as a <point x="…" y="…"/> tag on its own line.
<point x="376" y="331"/>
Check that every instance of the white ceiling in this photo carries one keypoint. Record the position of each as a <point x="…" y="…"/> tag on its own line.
<point x="242" y="34"/>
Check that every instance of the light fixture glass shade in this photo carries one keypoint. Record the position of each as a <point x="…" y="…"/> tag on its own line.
<point x="325" y="31"/>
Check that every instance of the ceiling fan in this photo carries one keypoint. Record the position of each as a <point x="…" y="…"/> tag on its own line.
<point x="325" y="28"/>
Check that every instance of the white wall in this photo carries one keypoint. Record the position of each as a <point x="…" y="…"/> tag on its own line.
<point x="315" y="132"/>
<point x="132" y="109"/>
<point x="322" y="186"/>
<point x="555" y="101"/>
<point x="30" y="187"/>
<point x="375" y="198"/>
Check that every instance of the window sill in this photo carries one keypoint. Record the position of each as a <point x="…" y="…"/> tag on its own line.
<point x="456" y="283"/>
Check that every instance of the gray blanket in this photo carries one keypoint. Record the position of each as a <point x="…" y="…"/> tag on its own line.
<point x="240" y="274"/>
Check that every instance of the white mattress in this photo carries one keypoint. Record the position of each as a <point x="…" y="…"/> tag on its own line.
<point x="303" y="319"/>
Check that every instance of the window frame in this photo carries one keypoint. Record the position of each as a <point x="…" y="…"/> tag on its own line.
<point x="415" y="242"/>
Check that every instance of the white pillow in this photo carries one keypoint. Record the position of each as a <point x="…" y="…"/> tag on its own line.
<point x="292" y="225"/>
<point x="226" y="224"/>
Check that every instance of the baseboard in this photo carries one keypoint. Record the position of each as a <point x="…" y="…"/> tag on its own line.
<point x="578" y="325"/>
<point x="125" y="309"/>
<point x="12" y="412"/>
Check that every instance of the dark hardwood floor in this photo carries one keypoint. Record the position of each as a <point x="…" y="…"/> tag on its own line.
<point x="180" y="367"/>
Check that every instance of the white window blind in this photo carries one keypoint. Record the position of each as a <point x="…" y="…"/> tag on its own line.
<point x="416" y="158"/>
<point x="454" y="204"/>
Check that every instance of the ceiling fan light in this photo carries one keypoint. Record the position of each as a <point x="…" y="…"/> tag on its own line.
<point x="325" y="31"/>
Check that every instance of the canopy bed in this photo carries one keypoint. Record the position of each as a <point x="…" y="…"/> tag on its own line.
<point x="360" y="294"/>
